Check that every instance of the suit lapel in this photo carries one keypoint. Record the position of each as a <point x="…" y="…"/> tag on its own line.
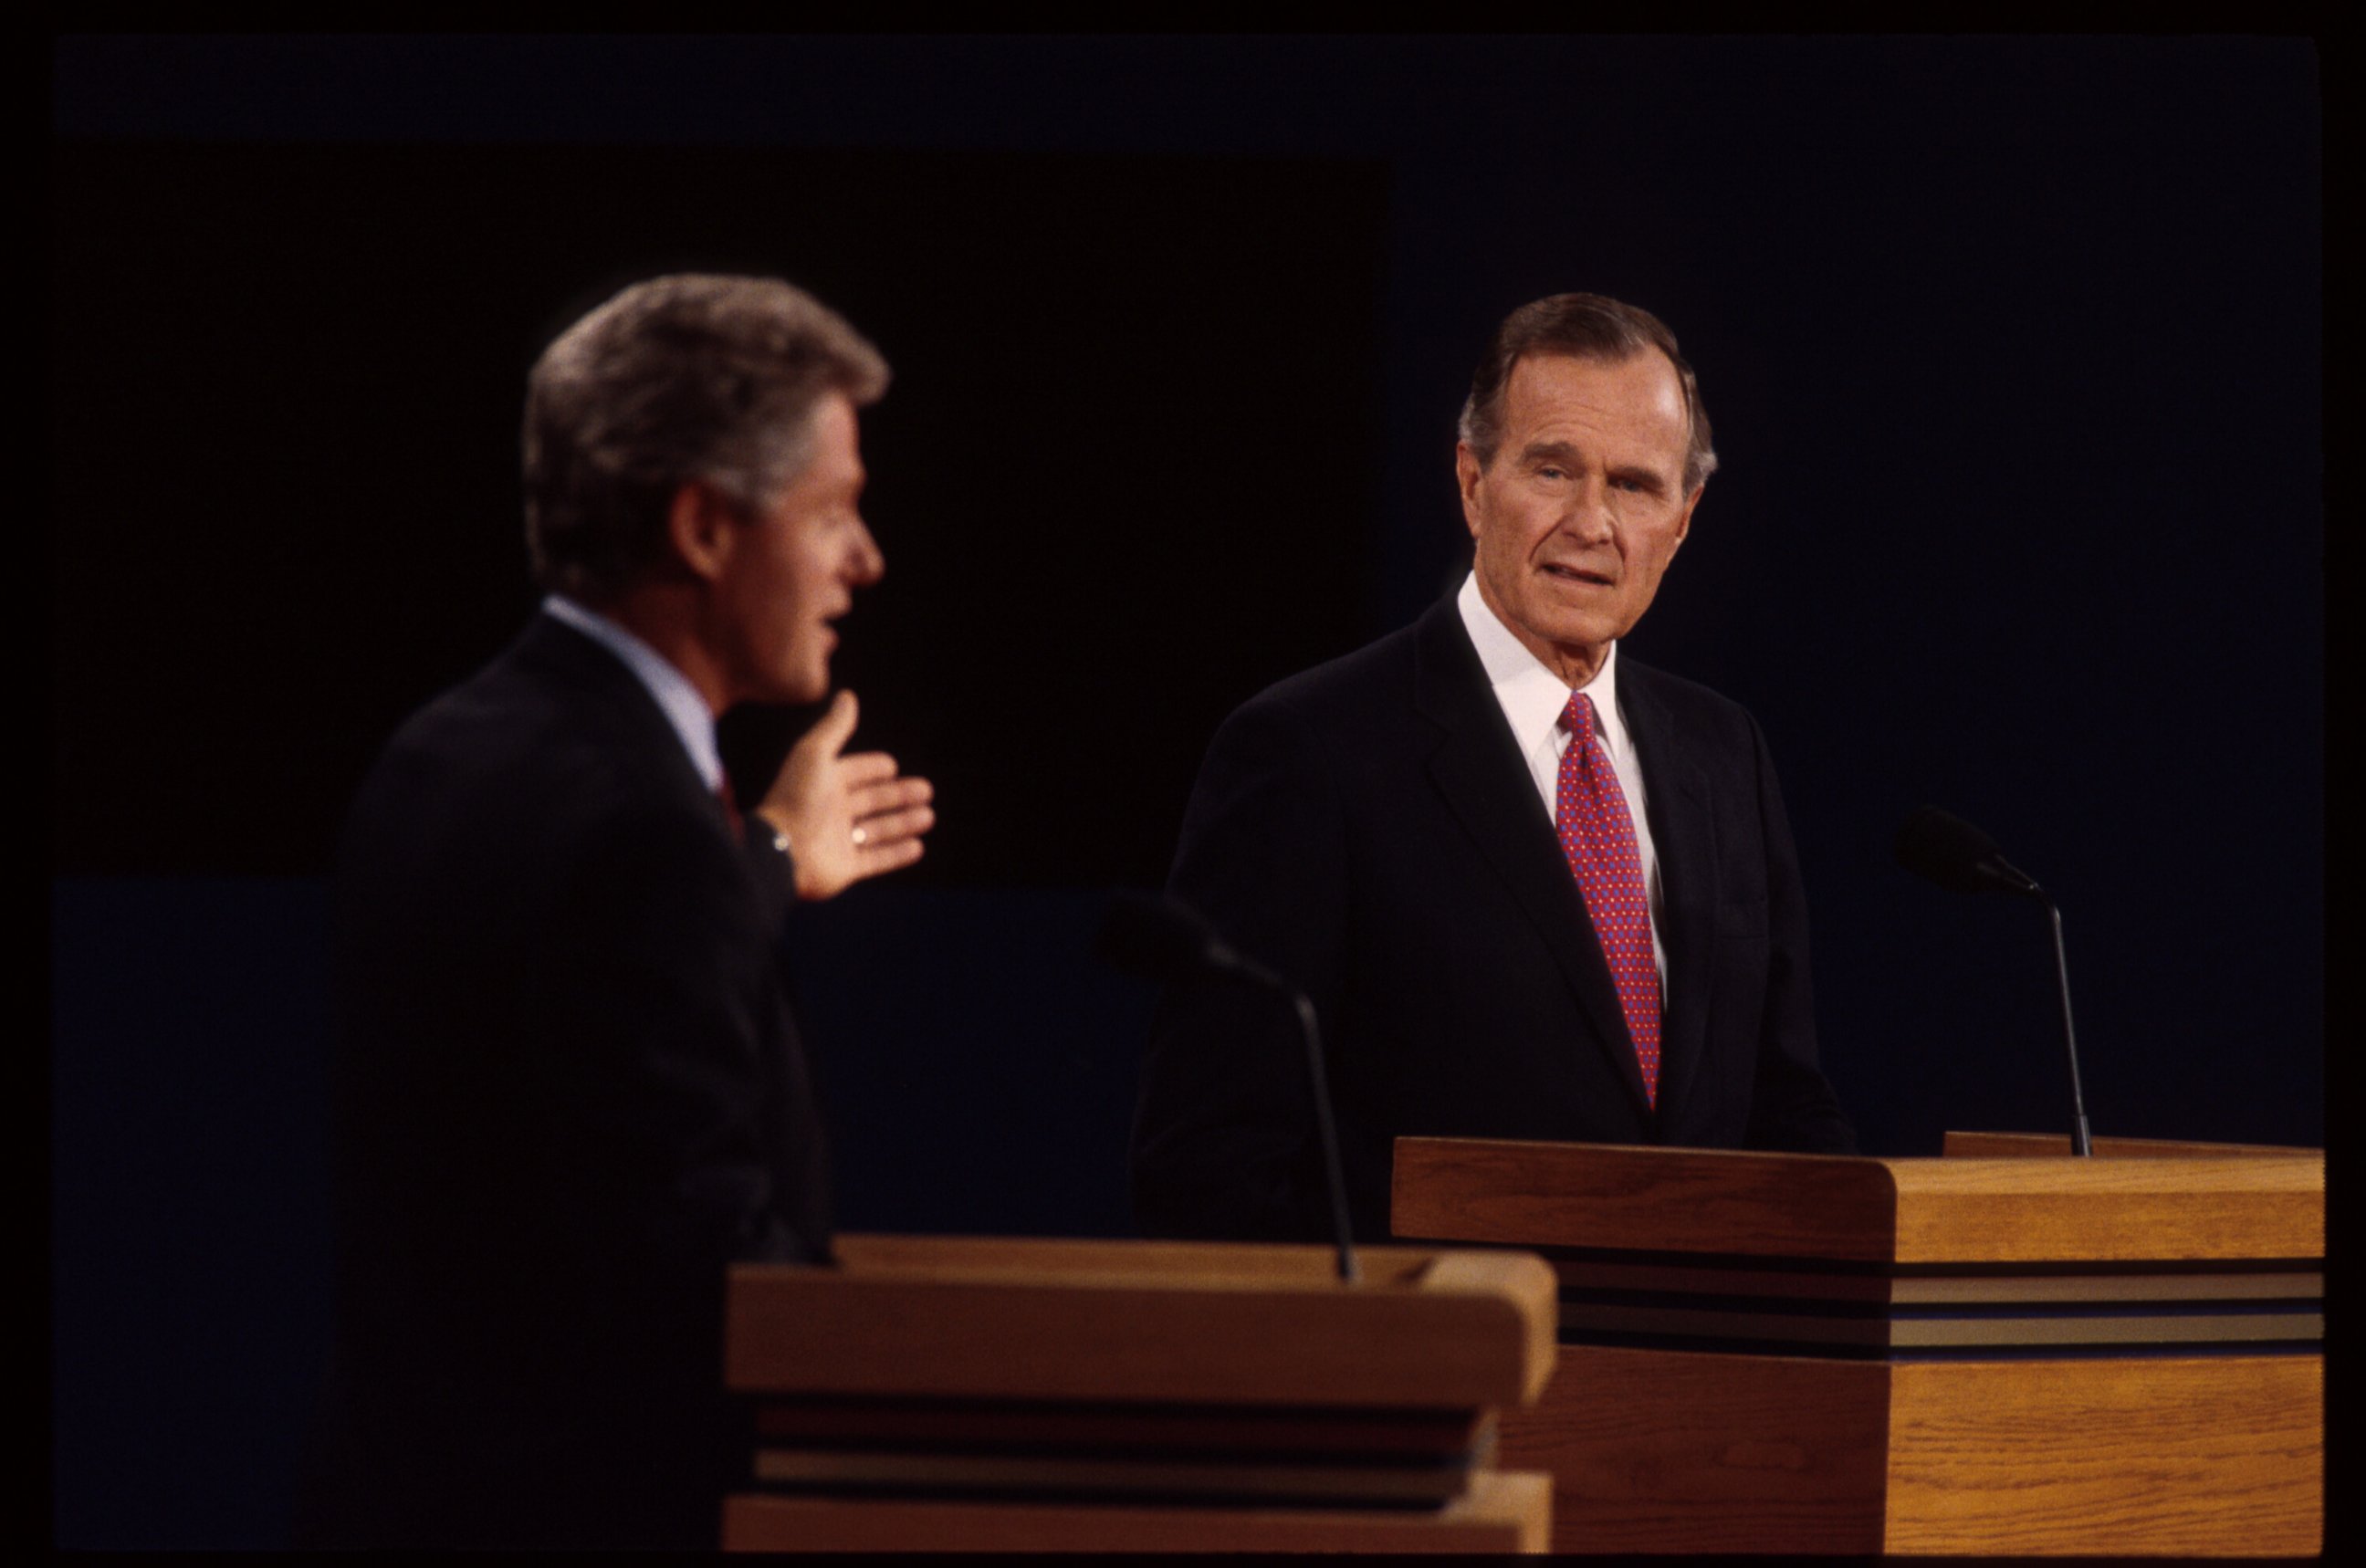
<point x="1477" y="767"/>
<point x="1684" y="836"/>
<point x="798" y="1143"/>
<point x="641" y="727"/>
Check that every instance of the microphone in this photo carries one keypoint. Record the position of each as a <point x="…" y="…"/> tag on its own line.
<point x="1948" y="851"/>
<point x="1159" y="939"/>
<point x="1943" y="848"/>
<point x="1163" y="940"/>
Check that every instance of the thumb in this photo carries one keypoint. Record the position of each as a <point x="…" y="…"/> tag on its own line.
<point x="837" y="725"/>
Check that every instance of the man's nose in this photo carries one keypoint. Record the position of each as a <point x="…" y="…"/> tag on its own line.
<point x="1588" y="517"/>
<point x="865" y="563"/>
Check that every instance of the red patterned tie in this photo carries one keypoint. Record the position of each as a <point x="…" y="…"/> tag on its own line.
<point x="1597" y="835"/>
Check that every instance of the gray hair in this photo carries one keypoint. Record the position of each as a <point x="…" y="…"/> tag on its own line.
<point x="687" y="377"/>
<point x="1583" y="326"/>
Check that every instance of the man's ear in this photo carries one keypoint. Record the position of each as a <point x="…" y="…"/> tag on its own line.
<point x="702" y="527"/>
<point x="1466" y="480"/>
<point x="1684" y="523"/>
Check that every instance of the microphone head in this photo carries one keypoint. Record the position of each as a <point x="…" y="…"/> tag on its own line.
<point x="1945" y="848"/>
<point x="1154" y="936"/>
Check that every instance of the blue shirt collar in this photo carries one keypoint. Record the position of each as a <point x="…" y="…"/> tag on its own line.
<point x="675" y="696"/>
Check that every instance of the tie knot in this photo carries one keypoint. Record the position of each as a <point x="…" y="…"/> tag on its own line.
<point x="1578" y="716"/>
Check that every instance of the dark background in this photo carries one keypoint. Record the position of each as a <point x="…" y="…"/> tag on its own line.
<point x="2012" y="349"/>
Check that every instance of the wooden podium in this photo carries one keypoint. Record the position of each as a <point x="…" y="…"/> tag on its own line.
<point x="2000" y="1351"/>
<point x="932" y="1394"/>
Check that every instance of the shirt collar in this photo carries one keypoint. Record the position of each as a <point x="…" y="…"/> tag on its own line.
<point x="1531" y="695"/>
<point x="675" y="696"/>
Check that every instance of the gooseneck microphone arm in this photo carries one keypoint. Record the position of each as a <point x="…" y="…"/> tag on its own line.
<point x="1158" y="938"/>
<point x="2079" y="1142"/>
<point x="1342" y="1233"/>
<point x="1948" y="851"/>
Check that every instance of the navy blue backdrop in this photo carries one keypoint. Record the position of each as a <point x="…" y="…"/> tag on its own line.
<point x="2013" y="351"/>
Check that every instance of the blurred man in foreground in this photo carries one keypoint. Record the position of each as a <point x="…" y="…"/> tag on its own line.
<point x="571" y="1089"/>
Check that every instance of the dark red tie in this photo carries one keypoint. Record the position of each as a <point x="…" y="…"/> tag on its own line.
<point x="1597" y="835"/>
<point x="730" y="799"/>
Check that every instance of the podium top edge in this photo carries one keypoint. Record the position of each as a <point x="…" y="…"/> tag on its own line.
<point x="2154" y="1204"/>
<point x="1961" y="1146"/>
<point x="1217" y="1267"/>
<point x="1198" y="1323"/>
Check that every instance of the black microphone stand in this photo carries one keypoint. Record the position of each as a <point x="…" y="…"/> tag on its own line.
<point x="2080" y="1142"/>
<point x="1336" y="1178"/>
<point x="1948" y="851"/>
<point x="1242" y="967"/>
<point x="1164" y="939"/>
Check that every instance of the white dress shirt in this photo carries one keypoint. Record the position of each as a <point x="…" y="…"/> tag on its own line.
<point x="1532" y="698"/>
<point x="676" y="697"/>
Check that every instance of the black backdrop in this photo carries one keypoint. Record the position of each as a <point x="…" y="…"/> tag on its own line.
<point x="2012" y="348"/>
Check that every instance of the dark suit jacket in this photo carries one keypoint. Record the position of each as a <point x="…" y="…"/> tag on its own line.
<point x="1369" y="830"/>
<point x="570" y="1093"/>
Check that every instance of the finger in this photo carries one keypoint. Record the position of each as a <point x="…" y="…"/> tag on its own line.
<point x="863" y="769"/>
<point x="889" y="795"/>
<point x="888" y="857"/>
<point x="893" y="827"/>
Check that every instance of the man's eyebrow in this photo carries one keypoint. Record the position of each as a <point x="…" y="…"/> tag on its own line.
<point x="1570" y="455"/>
<point x="1650" y="478"/>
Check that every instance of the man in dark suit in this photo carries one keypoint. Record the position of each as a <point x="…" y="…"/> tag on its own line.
<point x="1534" y="890"/>
<point x="571" y="1087"/>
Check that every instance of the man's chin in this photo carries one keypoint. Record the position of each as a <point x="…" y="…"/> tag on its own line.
<point x="792" y="690"/>
<point x="1575" y="632"/>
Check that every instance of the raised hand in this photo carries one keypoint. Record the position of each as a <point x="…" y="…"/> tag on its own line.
<point x="847" y="817"/>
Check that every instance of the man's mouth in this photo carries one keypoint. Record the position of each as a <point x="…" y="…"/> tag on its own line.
<point x="1580" y="574"/>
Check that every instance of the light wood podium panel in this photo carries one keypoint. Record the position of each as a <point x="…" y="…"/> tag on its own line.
<point x="1995" y="1351"/>
<point x="937" y="1395"/>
